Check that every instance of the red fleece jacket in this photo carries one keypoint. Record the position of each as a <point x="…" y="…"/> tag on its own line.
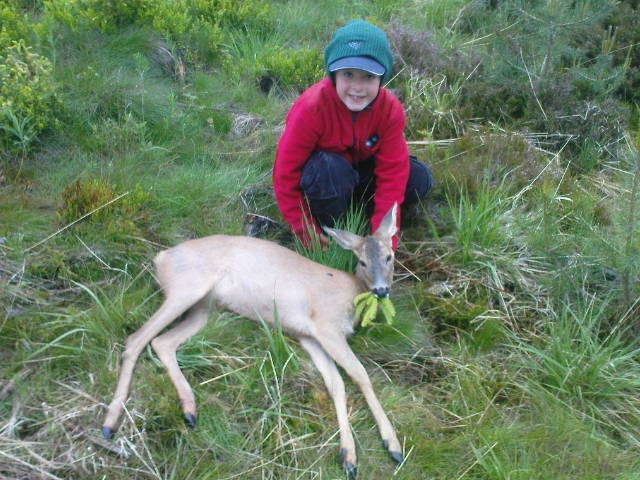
<point x="320" y="121"/>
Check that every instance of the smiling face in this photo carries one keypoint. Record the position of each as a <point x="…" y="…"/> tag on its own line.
<point x="356" y="88"/>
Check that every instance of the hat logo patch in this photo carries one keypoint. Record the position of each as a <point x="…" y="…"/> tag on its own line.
<point x="355" y="44"/>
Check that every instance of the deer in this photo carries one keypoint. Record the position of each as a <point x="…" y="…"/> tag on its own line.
<point x="267" y="282"/>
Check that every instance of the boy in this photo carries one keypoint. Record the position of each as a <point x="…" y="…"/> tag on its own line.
<point x="344" y="140"/>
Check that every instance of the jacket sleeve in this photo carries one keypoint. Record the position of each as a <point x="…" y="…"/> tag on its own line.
<point x="296" y="144"/>
<point x="392" y="168"/>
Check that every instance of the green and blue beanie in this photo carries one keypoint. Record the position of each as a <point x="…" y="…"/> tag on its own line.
<point x="359" y="45"/>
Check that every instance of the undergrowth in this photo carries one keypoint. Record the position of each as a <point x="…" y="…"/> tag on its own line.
<point x="128" y="127"/>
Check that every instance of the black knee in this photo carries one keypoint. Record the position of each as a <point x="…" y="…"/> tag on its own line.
<point x="420" y="181"/>
<point x="328" y="181"/>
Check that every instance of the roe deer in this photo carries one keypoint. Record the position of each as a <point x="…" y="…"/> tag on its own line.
<point x="256" y="278"/>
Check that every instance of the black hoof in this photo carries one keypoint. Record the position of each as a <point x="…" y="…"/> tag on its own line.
<point x="395" y="456"/>
<point x="190" y="420"/>
<point x="107" y="432"/>
<point x="351" y="470"/>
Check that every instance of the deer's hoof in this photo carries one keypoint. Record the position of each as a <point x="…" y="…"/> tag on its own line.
<point x="190" y="420"/>
<point x="395" y="456"/>
<point x="349" y="467"/>
<point x="350" y="470"/>
<point x="107" y="432"/>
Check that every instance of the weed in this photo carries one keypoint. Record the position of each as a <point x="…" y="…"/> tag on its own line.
<point x="28" y="101"/>
<point x="478" y="223"/>
<point x="514" y="351"/>
<point x="95" y="201"/>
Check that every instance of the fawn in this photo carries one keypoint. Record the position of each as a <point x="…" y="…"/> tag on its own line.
<point x="259" y="279"/>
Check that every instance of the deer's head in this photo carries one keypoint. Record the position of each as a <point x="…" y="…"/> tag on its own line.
<point x="375" y="253"/>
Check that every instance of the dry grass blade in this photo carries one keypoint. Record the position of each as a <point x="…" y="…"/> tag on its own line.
<point x="60" y="230"/>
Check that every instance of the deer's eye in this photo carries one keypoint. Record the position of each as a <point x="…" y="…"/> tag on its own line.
<point x="362" y="263"/>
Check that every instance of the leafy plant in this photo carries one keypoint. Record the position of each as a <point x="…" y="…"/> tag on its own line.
<point x="514" y="350"/>
<point x="294" y="69"/>
<point x="95" y="201"/>
<point x="28" y="100"/>
<point x="14" y="26"/>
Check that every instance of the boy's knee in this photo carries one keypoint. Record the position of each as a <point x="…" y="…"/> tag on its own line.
<point x="327" y="182"/>
<point x="327" y="175"/>
<point x="420" y="181"/>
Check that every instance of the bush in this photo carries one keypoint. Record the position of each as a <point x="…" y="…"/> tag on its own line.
<point x="95" y="199"/>
<point x="12" y="27"/>
<point x="288" y="68"/>
<point x="627" y="33"/>
<point x="555" y="70"/>
<point x="497" y="158"/>
<point x="105" y="15"/>
<point x="28" y="101"/>
<point x="430" y="81"/>
<point x="195" y="26"/>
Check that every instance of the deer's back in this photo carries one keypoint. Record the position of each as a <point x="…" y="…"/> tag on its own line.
<point x="256" y="278"/>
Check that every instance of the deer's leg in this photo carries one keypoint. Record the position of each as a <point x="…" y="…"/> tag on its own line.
<point x="165" y="347"/>
<point x="333" y="381"/>
<point x="171" y="309"/>
<point x="338" y="348"/>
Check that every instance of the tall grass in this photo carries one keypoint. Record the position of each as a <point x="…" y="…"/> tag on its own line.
<point x="478" y="222"/>
<point x="514" y="353"/>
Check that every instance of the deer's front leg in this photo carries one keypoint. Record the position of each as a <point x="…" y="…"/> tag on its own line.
<point x="339" y="349"/>
<point x="333" y="381"/>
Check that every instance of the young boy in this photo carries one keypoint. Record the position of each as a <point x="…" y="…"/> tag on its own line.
<point x="344" y="140"/>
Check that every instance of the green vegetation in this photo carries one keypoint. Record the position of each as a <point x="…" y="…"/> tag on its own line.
<point x="129" y="126"/>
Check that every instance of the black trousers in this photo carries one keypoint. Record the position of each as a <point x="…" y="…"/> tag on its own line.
<point x="330" y="183"/>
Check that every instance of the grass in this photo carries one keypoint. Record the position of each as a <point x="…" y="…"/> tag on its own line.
<point x="514" y="352"/>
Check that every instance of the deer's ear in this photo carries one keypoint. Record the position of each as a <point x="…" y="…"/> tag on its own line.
<point x="389" y="225"/>
<point x="344" y="238"/>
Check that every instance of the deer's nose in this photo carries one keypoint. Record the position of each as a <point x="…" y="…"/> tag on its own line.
<point x="380" y="292"/>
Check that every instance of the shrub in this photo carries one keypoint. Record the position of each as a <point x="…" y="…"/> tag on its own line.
<point x="430" y="82"/>
<point x="618" y="39"/>
<point x="550" y="71"/>
<point x="195" y="26"/>
<point x="121" y="214"/>
<point x="181" y="22"/>
<point x="12" y="26"/>
<point x="414" y="49"/>
<point x="105" y="15"/>
<point x="492" y="157"/>
<point x="28" y="101"/>
<point x="288" y="68"/>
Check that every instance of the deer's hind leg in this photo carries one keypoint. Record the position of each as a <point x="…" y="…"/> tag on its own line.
<point x="171" y="308"/>
<point x="165" y="347"/>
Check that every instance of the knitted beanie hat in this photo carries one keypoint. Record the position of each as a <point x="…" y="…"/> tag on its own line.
<point x="359" y="45"/>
